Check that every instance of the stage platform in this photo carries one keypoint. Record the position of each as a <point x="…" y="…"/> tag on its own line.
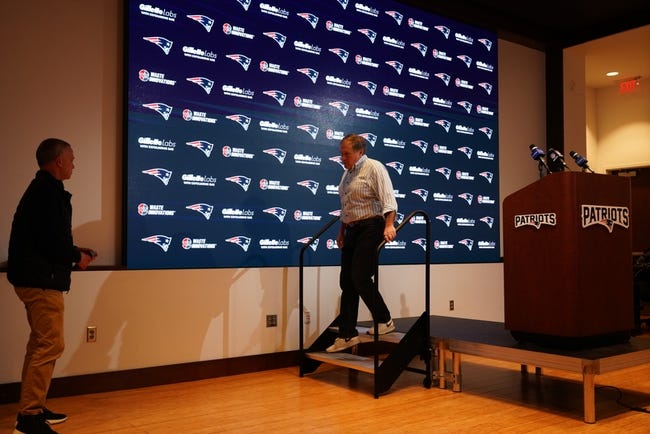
<point x="453" y="337"/>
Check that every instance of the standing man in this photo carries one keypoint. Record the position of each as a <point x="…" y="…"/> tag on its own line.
<point x="368" y="209"/>
<point x="41" y="257"/>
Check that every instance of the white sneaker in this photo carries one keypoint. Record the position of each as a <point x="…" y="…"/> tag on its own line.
<point x="384" y="328"/>
<point x="341" y="344"/>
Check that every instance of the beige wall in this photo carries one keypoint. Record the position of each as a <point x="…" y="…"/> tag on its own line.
<point x="61" y="77"/>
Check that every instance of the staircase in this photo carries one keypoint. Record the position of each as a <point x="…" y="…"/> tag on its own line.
<point x="383" y="356"/>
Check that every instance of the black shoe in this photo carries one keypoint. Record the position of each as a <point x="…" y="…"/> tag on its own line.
<point x="32" y="424"/>
<point x="53" y="418"/>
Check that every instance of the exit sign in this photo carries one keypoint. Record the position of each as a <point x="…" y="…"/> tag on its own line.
<point x="628" y="86"/>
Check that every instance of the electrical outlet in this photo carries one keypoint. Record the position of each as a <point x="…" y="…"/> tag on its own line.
<point x="271" y="320"/>
<point x="451" y="304"/>
<point x="91" y="334"/>
<point x="307" y="316"/>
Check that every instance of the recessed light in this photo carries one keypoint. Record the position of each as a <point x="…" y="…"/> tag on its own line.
<point x="612" y="74"/>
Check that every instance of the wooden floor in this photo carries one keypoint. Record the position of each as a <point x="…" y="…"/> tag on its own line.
<point x="496" y="397"/>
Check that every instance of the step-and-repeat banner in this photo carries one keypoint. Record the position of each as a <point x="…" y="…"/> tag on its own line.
<point x="235" y="110"/>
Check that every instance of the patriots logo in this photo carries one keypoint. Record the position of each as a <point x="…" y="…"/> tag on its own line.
<point x="487" y="175"/>
<point x="444" y="30"/>
<point x="312" y="130"/>
<point x="446" y="78"/>
<point x="242" y="181"/>
<point x="277" y="95"/>
<point x="421" y="192"/>
<point x="278" y="153"/>
<point x="467" y="242"/>
<point x="206" y="22"/>
<point x="241" y="241"/>
<point x="341" y="106"/>
<point x="307" y="240"/>
<point x="398" y="66"/>
<point x="486" y="43"/>
<point x="337" y="159"/>
<point x="163" y="175"/>
<point x="445" y="218"/>
<point x="422" y="242"/>
<point x="421" y="144"/>
<point x="372" y="87"/>
<point x="163" y="110"/>
<point x="310" y="185"/>
<point x="335" y="213"/>
<point x="203" y="208"/>
<point x="244" y="61"/>
<point x="277" y="211"/>
<point x="445" y="171"/>
<point x="399" y="218"/>
<point x="396" y="16"/>
<point x="205" y="83"/>
<point x="277" y="37"/>
<point x="467" y="151"/>
<point x="466" y="59"/>
<point x="343" y="55"/>
<point x="488" y="220"/>
<point x="343" y="3"/>
<point x="422" y="96"/>
<point x="467" y="196"/>
<point x="245" y="4"/>
<point x="370" y="137"/>
<point x="371" y="34"/>
<point x="487" y="87"/>
<point x="311" y="73"/>
<point x="242" y="120"/>
<point x="311" y="18"/>
<point x="202" y="145"/>
<point x="466" y="105"/>
<point x="420" y="47"/>
<point x="163" y="43"/>
<point x="444" y="124"/>
<point x="162" y="241"/>
<point x="397" y="166"/>
<point x="487" y="131"/>
<point x="397" y="116"/>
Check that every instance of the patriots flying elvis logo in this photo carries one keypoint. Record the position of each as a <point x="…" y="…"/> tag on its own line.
<point x="370" y="137"/>
<point x="337" y="159"/>
<point x="343" y="55"/>
<point x="422" y="242"/>
<point x="420" y="47"/>
<point x="163" y="175"/>
<point x="163" y="110"/>
<point x="310" y="18"/>
<point x="421" y="193"/>
<point x="312" y="74"/>
<point x="278" y="153"/>
<point x="202" y="208"/>
<point x="487" y="175"/>
<point x="445" y="218"/>
<point x="241" y="241"/>
<point x="309" y="185"/>
<point x="242" y="181"/>
<point x="487" y="220"/>
<point x="277" y="95"/>
<point x="466" y="105"/>
<point x="205" y="83"/>
<point x="467" y="242"/>
<point x="397" y="66"/>
<point x="245" y="4"/>
<point x="445" y="171"/>
<point x="446" y="78"/>
<point x="467" y="151"/>
<point x="397" y="116"/>
<point x="162" y="241"/>
<point x="372" y="87"/>
<point x="421" y="144"/>
<point x="163" y="43"/>
<point x="396" y="165"/>
<point x="467" y="196"/>
<point x="422" y="96"/>
<point x="487" y="131"/>
<point x="243" y="60"/>
<point x="202" y="145"/>
<point x="307" y="240"/>
<point x="444" y="124"/>
<point x="243" y="120"/>
<point x="371" y="34"/>
<point x="312" y="130"/>
<point x="206" y="22"/>
<point x="280" y="213"/>
<point x="340" y="106"/>
<point x="466" y="59"/>
<point x="444" y="30"/>
<point x="396" y="16"/>
<point x="277" y="37"/>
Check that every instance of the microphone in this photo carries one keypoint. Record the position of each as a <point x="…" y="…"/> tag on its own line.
<point x="556" y="162"/>
<point x="580" y="161"/>
<point x="538" y="155"/>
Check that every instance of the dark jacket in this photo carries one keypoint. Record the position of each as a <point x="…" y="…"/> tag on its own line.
<point x="41" y="250"/>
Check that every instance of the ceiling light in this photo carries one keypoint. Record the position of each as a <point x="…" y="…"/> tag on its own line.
<point x="612" y="74"/>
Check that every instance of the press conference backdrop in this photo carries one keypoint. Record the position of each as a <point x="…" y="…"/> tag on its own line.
<point x="235" y="113"/>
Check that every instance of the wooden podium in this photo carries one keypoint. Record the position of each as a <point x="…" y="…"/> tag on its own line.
<point x="567" y="261"/>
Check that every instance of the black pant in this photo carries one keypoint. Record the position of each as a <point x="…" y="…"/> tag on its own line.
<point x="358" y="266"/>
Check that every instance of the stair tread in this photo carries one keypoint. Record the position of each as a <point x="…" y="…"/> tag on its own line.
<point x="347" y="360"/>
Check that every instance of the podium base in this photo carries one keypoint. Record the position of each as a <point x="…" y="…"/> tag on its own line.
<point x="572" y="343"/>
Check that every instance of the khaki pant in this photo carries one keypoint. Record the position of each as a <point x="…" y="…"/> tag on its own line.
<point x="45" y="316"/>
